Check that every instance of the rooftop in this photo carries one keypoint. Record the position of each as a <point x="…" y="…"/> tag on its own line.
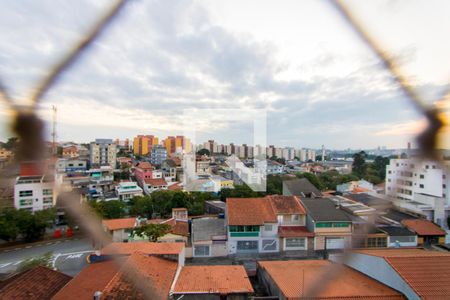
<point x="213" y="280"/>
<point x="156" y="181"/>
<point x="250" y="211"/>
<point x="115" y="224"/>
<point x="143" y="247"/>
<point x="423" y="227"/>
<point x="369" y="200"/>
<point x="206" y="229"/>
<point x="294" y="231"/>
<point x="301" y="187"/>
<point x="37" y="283"/>
<point x="396" y="231"/>
<point x="350" y="284"/>
<point x="286" y="205"/>
<point x="324" y="210"/>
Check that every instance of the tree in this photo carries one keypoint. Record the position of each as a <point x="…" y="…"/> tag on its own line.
<point x="141" y="206"/>
<point x="12" y="143"/>
<point x="152" y="231"/>
<point x="45" y="260"/>
<point x="359" y="164"/>
<point x="203" y="152"/>
<point x="113" y="209"/>
<point x="8" y="230"/>
<point x="313" y="179"/>
<point x="379" y="165"/>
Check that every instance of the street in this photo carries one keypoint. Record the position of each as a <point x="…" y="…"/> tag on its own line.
<point x="69" y="255"/>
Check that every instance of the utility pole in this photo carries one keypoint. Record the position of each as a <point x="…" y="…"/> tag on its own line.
<point x="54" y="150"/>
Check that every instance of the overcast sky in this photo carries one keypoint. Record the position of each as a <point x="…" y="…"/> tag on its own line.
<point x="298" y="60"/>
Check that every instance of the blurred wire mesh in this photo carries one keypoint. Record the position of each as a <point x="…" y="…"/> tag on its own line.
<point x="29" y="127"/>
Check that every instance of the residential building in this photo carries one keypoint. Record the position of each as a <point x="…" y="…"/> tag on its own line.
<point x="255" y="225"/>
<point x="356" y="187"/>
<point x="158" y="154"/>
<point x="222" y="182"/>
<point x="151" y="185"/>
<point x="202" y="166"/>
<point x="332" y="227"/>
<point x="274" y="167"/>
<point x="144" y="170"/>
<point x="215" y="207"/>
<point x="300" y="187"/>
<point x="305" y="279"/>
<point x="142" y="144"/>
<point x="120" y="229"/>
<point x="66" y="165"/>
<point x="399" y="236"/>
<point x="209" y="237"/>
<point x="416" y="273"/>
<point x="126" y="190"/>
<point x="38" y="283"/>
<point x="103" y="153"/>
<point x="169" y="169"/>
<point x="100" y="183"/>
<point x="212" y="282"/>
<point x="178" y="144"/>
<point x="427" y="232"/>
<point x="109" y="279"/>
<point x="70" y="151"/>
<point x="34" y="193"/>
<point x="420" y="186"/>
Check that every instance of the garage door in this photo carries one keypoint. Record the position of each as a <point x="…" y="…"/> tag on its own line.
<point x="335" y="242"/>
<point x="247" y="246"/>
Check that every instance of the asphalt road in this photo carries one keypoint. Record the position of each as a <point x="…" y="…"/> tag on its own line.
<point x="69" y="255"/>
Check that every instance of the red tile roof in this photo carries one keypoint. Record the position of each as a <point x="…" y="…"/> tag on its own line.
<point x="37" y="283"/>
<point x="213" y="279"/>
<point x="115" y="224"/>
<point x="286" y="204"/>
<point x="178" y="227"/>
<point x="426" y="272"/>
<point x="296" y="279"/>
<point x="143" y="247"/>
<point x="423" y="227"/>
<point x="142" y="277"/>
<point x="175" y="187"/>
<point x="294" y="231"/>
<point x="156" y="181"/>
<point x="92" y="278"/>
<point x="250" y="211"/>
<point x="144" y="165"/>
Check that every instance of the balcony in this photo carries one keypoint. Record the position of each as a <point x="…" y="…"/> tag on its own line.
<point x="244" y="234"/>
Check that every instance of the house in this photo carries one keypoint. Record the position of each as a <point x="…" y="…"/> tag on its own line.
<point x="120" y="229"/>
<point x="379" y="204"/>
<point x="300" y="187"/>
<point x="38" y="283"/>
<point x="356" y="187"/>
<point x="307" y="279"/>
<point x="151" y="185"/>
<point x="169" y="168"/>
<point x="126" y="190"/>
<point x="332" y="227"/>
<point x="209" y="237"/>
<point x="416" y="273"/>
<point x="428" y="233"/>
<point x="144" y="170"/>
<point x="34" y="193"/>
<point x="70" y="151"/>
<point x="174" y="251"/>
<point x="399" y="236"/>
<point x="215" y="207"/>
<point x="222" y="182"/>
<point x="137" y="276"/>
<point x="212" y="283"/>
<point x="255" y="224"/>
<point x="70" y="165"/>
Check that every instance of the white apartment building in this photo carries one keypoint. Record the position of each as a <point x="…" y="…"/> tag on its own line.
<point x="126" y="190"/>
<point x="421" y="187"/>
<point x="34" y="193"/>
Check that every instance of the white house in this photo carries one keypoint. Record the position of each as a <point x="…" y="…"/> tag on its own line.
<point x="126" y="190"/>
<point x="34" y="193"/>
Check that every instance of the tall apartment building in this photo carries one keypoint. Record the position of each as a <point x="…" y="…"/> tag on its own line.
<point x="103" y="153"/>
<point x="177" y="144"/>
<point x="421" y="187"/>
<point x="158" y="154"/>
<point x="142" y="144"/>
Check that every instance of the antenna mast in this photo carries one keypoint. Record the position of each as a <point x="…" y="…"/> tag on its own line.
<point x="54" y="150"/>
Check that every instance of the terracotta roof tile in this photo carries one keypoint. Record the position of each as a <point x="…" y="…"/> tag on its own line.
<point x="142" y="277"/>
<point x="92" y="278"/>
<point x="423" y="227"/>
<point x="294" y="231"/>
<point x="144" y="165"/>
<point x="286" y="204"/>
<point x="295" y="278"/>
<point x="115" y="224"/>
<point x="143" y="247"/>
<point x="250" y="211"/>
<point x="213" y="279"/>
<point x="37" y="283"/>
<point x="408" y="252"/>
<point x="156" y="181"/>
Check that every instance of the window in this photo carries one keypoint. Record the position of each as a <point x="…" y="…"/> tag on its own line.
<point x="25" y="202"/>
<point x="247" y="246"/>
<point x="295" y="218"/>
<point x="48" y="200"/>
<point x="240" y="228"/>
<point x="25" y="193"/>
<point x="297" y="243"/>
<point x="403" y="239"/>
<point x="47" y="192"/>
<point x="421" y="186"/>
<point x="268" y="227"/>
<point x="422" y="176"/>
<point x="201" y="250"/>
<point x="427" y="167"/>
<point x="332" y="224"/>
<point x="379" y="242"/>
